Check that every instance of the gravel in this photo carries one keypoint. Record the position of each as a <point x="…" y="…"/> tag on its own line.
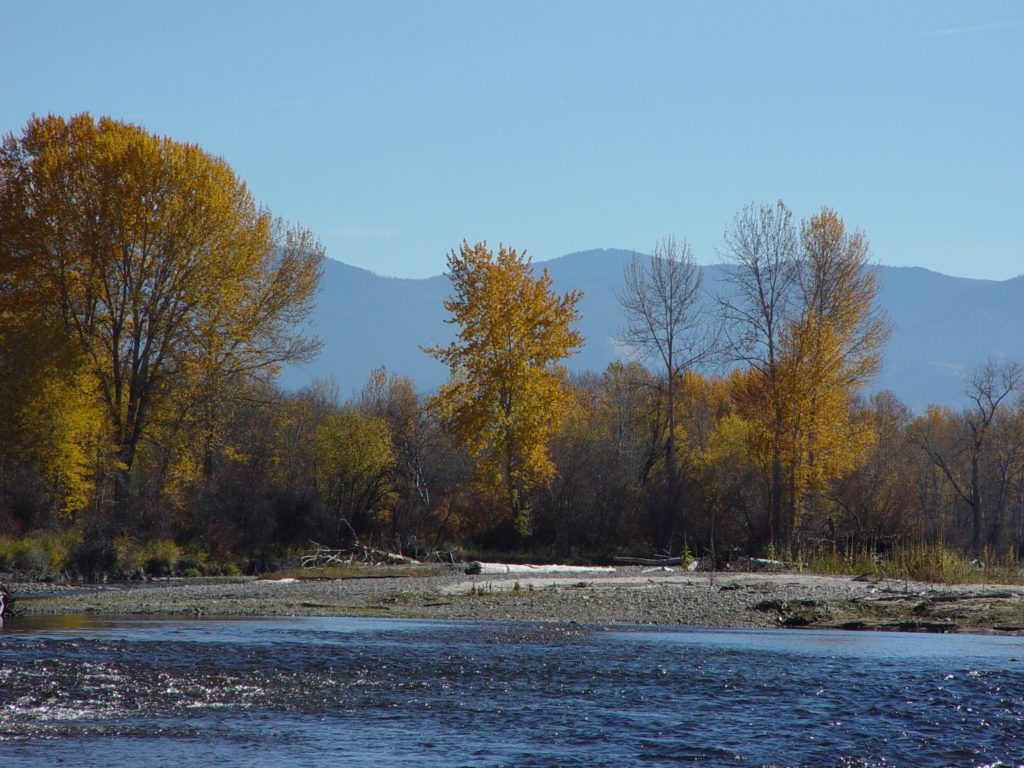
<point x="627" y="596"/>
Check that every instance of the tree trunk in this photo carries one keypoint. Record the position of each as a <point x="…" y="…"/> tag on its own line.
<point x="975" y="506"/>
<point x="672" y="475"/>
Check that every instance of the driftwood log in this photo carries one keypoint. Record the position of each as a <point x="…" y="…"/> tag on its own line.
<point x="496" y="569"/>
<point x="649" y="560"/>
<point x="357" y="553"/>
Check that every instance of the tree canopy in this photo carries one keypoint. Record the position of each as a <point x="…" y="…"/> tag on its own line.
<point x="505" y="394"/>
<point x="661" y="300"/>
<point x="354" y="466"/>
<point x="151" y="261"/>
<point x="803" y="315"/>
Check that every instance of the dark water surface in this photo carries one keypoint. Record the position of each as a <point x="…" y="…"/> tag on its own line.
<point x="335" y="692"/>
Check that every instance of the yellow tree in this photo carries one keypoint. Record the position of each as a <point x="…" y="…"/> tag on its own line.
<point x="506" y="394"/>
<point x="804" y="315"/>
<point x="154" y="261"/>
<point x="823" y="439"/>
<point x="50" y="419"/>
<point x="832" y="350"/>
<point x="354" y="465"/>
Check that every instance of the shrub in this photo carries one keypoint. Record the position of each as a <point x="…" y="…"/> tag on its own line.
<point x="127" y="556"/>
<point x="6" y="554"/>
<point x="31" y="557"/>
<point x="95" y="558"/>
<point x="935" y="563"/>
<point x="161" y="557"/>
<point x="59" y="549"/>
<point x="193" y="559"/>
<point x="38" y="554"/>
<point x="855" y="561"/>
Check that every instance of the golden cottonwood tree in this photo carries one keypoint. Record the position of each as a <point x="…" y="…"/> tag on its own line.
<point x="832" y="350"/>
<point x="153" y="259"/>
<point x="506" y="393"/>
<point x="50" y="418"/>
<point x="805" y="317"/>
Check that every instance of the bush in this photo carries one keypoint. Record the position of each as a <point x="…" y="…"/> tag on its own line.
<point x="31" y="557"/>
<point x="62" y="549"/>
<point x="39" y="555"/>
<point x="834" y="562"/>
<point x="193" y="561"/>
<point x="6" y="554"/>
<point x="935" y="563"/>
<point x="160" y="557"/>
<point x="127" y="556"/>
<point x="95" y="558"/>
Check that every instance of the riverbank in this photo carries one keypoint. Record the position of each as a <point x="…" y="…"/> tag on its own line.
<point x="625" y="596"/>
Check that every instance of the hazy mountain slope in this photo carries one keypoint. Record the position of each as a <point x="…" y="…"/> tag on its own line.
<point x="367" y="321"/>
<point x="944" y="325"/>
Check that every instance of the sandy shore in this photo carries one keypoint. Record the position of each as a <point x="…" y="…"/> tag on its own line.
<point x="627" y="596"/>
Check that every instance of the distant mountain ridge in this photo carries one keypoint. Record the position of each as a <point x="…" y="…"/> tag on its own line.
<point x="944" y="326"/>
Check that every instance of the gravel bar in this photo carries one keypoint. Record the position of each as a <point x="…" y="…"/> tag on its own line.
<point x="628" y="596"/>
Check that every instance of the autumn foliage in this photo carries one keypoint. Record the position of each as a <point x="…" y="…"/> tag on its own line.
<point x="143" y="285"/>
<point x="506" y="394"/>
<point x="147" y="302"/>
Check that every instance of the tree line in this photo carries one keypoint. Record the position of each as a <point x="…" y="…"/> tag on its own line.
<point x="147" y="303"/>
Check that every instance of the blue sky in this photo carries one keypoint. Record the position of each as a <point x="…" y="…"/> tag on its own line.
<point x="396" y="129"/>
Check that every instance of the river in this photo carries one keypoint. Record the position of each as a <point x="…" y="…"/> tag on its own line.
<point x="84" y="691"/>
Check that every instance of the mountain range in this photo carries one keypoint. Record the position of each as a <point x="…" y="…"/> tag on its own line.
<point x="944" y="326"/>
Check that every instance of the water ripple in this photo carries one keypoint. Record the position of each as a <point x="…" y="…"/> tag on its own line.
<point x="345" y="692"/>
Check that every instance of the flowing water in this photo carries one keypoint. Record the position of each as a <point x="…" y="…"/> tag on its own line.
<point x="334" y="692"/>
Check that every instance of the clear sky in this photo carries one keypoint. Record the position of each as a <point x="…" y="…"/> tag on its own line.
<point x="396" y="129"/>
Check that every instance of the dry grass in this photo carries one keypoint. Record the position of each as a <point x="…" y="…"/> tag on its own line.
<point x="356" y="571"/>
<point x="934" y="563"/>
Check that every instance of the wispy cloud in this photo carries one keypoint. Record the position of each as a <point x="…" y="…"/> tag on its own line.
<point x="968" y="30"/>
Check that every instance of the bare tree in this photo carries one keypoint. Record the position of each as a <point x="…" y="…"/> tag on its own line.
<point x="661" y="299"/>
<point x="987" y="389"/>
<point x="761" y="253"/>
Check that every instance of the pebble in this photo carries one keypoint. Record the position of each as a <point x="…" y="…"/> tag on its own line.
<point x="629" y="596"/>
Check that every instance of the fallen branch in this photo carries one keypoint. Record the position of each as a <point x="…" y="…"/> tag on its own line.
<point x="443" y="556"/>
<point x="323" y="556"/>
<point x="895" y="596"/>
<point x="953" y="597"/>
